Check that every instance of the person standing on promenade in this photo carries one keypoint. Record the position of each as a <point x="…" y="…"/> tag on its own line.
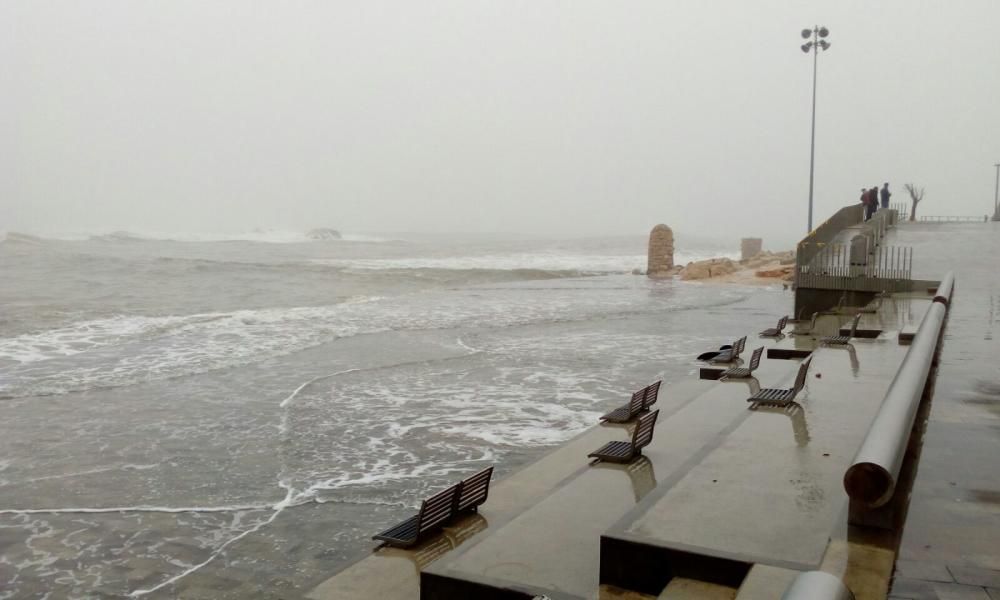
<point x="873" y="201"/>
<point x="864" y="204"/>
<point x="885" y="195"/>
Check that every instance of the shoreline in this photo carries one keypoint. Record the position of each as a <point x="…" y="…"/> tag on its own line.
<point x="767" y="268"/>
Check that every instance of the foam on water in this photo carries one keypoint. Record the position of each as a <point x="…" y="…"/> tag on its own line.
<point x="415" y="426"/>
<point x="539" y="261"/>
<point x="419" y="390"/>
<point x="129" y="349"/>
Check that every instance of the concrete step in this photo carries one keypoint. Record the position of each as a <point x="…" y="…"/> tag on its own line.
<point x="552" y="548"/>
<point x="681" y="588"/>
<point x="764" y="582"/>
<point x="769" y="491"/>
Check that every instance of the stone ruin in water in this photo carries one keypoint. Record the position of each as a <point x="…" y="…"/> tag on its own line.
<point x="660" y="262"/>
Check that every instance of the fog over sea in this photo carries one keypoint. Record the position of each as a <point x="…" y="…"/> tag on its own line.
<point x="240" y="413"/>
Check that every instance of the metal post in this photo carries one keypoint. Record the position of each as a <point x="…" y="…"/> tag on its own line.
<point x="996" y="194"/>
<point x="812" y="139"/>
<point x="817" y="42"/>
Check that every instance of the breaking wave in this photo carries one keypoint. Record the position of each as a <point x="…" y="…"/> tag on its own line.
<point x="125" y="350"/>
<point x="553" y="264"/>
<point x="271" y="236"/>
<point x="14" y="237"/>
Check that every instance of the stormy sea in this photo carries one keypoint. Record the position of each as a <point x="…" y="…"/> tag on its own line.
<point x="241" y="413"/>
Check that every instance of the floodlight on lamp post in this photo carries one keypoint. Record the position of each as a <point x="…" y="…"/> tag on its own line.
<point x="817" y="41"/>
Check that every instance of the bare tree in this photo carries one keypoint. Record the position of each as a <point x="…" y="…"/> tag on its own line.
<point x="916" y="195"/>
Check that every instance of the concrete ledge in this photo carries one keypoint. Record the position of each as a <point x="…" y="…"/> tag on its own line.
<point x="862" y="333"/>
<point x="765" y="582"/>
<point x="710" y="374"/>
<point x="906" y="335"/>
<point x="633" y="564"/>
<point x="434" y="586"/>
<point x="788" y="353"/>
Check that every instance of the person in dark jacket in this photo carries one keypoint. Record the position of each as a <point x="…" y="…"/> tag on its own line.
<point x="872" y="201"/>
<point x="885" y="195"/>
<point x="864" y="204"/>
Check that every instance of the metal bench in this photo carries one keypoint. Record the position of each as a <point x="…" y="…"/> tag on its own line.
<point x="626" y="413"/>
<point x="876" y="305"/>
<point x="652" y="393"/>
<point x="841" y="305"/>
<point x="725" y="354"/>
<point x="744" y="372"/>
<point x="812" y="326"/>
<point x="434" y="512"/>
<point x="777" y="329"/>
<point x="641" y="400"/>
<point x="475" y="490"/>
<point x="732" y="353"/>
<point x="842" y="340"/>
<point x="623" y="452"/>
<point x="781" y="396"/>
<point x="437" y="510"/>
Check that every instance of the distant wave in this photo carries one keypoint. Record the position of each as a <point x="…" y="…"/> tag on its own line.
<point x="269" y="236"/>
<point x="14" y="237"/>
<point x="551" y="264"/>
<point x="543" y="264"/>
<point x="117" y="237"/>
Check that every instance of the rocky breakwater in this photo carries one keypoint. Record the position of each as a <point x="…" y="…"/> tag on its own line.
<point x="765" y="267"/>
<point x="706" y="269"/>
<point x="323" y="234"/>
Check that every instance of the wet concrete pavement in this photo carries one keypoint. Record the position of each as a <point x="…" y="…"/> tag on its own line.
<point x="950" y="546"/>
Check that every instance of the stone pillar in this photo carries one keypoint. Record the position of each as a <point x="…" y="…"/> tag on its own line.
<point x="750" y="247"/>
<point x="661" y="252"/>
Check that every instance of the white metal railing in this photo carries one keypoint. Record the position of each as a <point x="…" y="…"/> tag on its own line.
<point x="954" y="219"/>
<point x="879" y="224"/>
<point x="859" y="266"/>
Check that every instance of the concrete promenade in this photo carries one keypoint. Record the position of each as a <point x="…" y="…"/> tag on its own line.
<point x="731" y="502"/>
<point x="950" y="547"/>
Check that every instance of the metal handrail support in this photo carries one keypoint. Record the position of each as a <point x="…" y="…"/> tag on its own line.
<point x="871" y="479"/>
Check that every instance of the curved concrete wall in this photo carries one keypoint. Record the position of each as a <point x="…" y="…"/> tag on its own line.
<point x="817" y="585"/>
<point x="871" y="479"/>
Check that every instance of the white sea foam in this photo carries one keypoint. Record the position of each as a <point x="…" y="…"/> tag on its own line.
<point x="499" y="262"/>
<point x="91" y="334"/>
<point x="84" y="473"/>
<point x="538" y="261"/>
<point x="134" y="509"/>
<point x="284" y="403"/>
<point x="129" y="349"/>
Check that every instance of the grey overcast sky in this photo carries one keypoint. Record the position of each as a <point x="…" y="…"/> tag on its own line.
<point x="586" y="117"/>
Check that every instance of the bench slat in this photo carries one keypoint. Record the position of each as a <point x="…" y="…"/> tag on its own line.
<point x="475" y="489"/>
<point x="404" y="533"/>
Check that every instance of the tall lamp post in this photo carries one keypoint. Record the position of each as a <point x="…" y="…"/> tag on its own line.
<point x="815" y="44"/>
<point x="996" y="196"/>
